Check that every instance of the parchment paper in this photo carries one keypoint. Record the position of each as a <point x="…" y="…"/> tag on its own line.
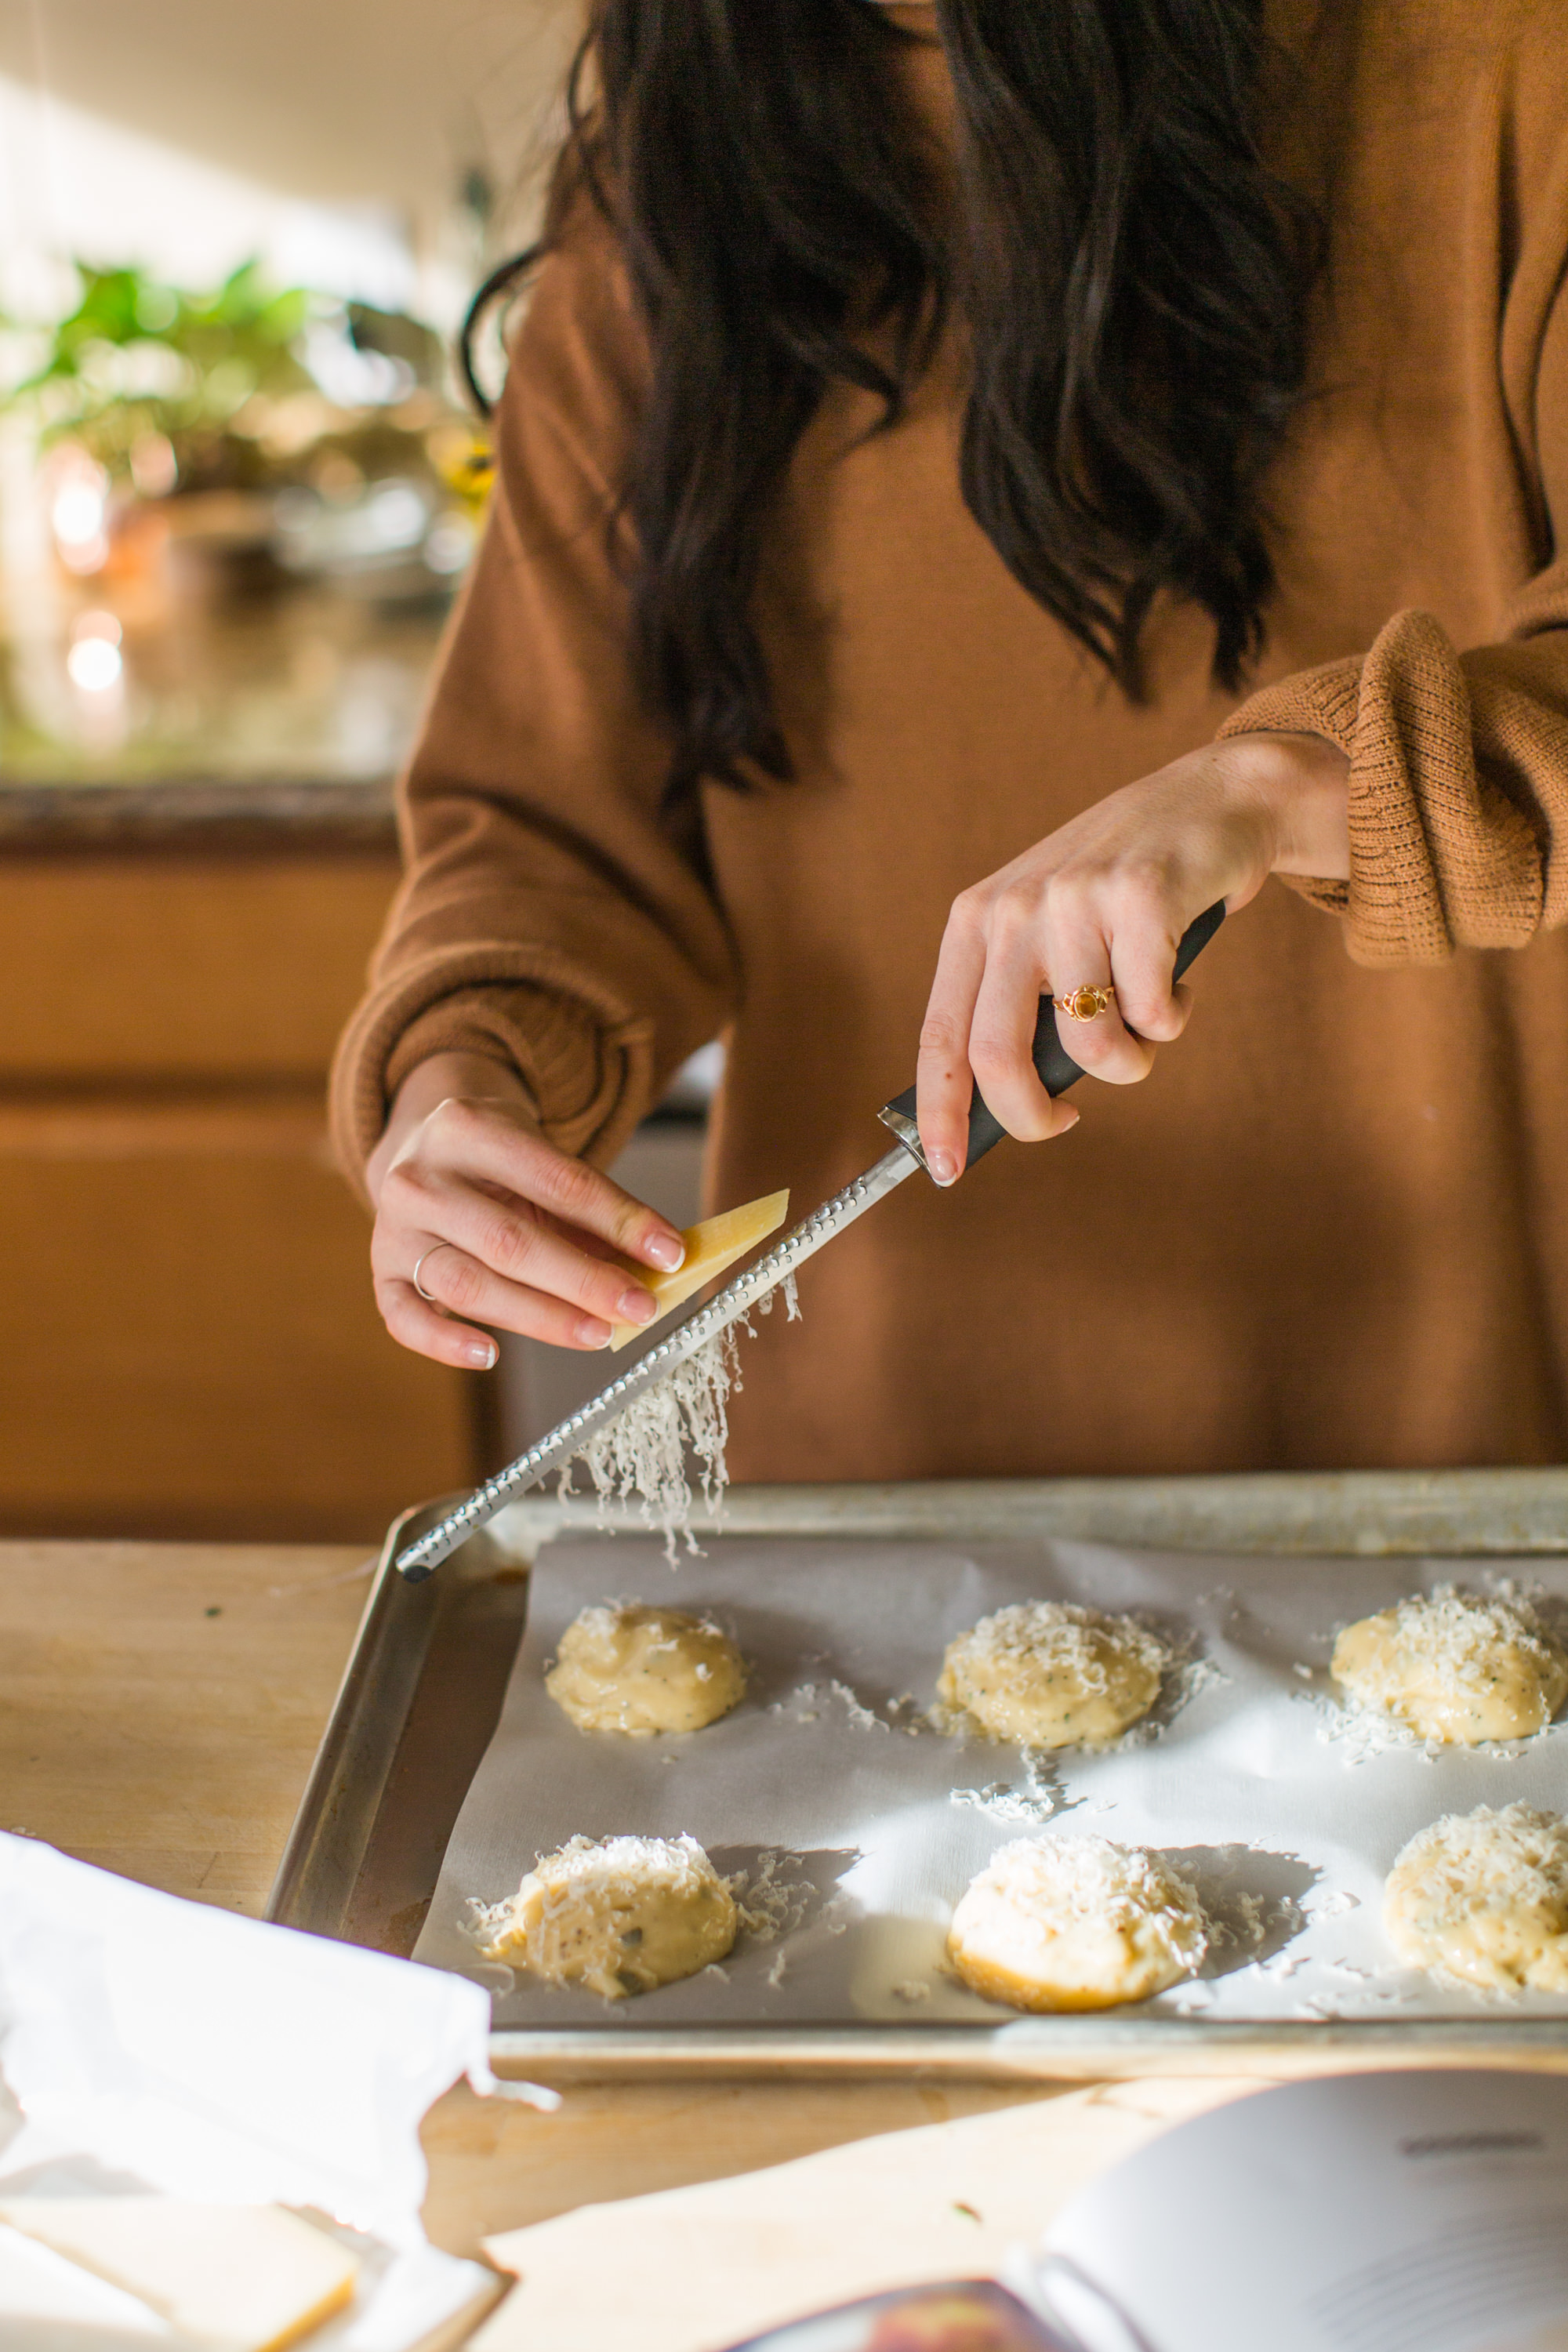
<point x="1249" y="1776"/>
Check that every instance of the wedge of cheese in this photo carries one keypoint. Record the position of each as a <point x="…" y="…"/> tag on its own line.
<point x="47" y="2305"/>
<point x="238" y="2278"/>
<point x="711" y="1246"/>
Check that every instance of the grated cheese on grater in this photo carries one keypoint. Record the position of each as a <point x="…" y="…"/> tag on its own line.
<point x="1456" y="1666"/>
<point x="644" y="1451"/>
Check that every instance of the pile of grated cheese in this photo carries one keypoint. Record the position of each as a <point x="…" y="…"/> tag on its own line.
<point x="1054" y="1886"/>
<point x="772" y="1900"/>
<point x="600" y="1621"/>
<point x="1062" y="1634"/>
<point x="1456" y="1635"/>
<point x="1425" y="1662"/>
<point x="616" y="1915"/>
<point x="616" y="1868"/>
<point x="646" y="1450"/>
<point x="1091" y="1879"/>
<point x="1482" y="1898"/>
<point x="1517" y="1854"/>
<point x="589" y="1880"/>
<point x="1034" y="1802"/>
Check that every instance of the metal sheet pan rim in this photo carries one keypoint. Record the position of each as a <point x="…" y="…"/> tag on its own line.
<point x="1356" y="1514"/>
<point x="1361" y="1514"/>
<point x="1046" y="2047"/>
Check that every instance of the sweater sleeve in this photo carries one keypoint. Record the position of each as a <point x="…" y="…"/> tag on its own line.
<point x="551" y="914"/>
<point x="1458" y="787"/>
<point x="1458" y="759"/>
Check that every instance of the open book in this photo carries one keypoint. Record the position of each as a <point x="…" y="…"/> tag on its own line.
<point x="1422" y="2211"/>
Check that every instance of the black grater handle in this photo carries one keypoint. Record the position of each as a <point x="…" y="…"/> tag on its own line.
<point x="1058" y="1070"/>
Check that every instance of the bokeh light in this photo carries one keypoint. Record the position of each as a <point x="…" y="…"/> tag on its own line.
<point x="94" y="662"/>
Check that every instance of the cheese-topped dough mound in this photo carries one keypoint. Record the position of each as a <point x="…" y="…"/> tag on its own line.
<point x="1483" y="1897"/>
<point x="626" y="1667"/>
<point x="1075" y="1923"/>
<point x="619" y="1914"/>
<point x="1456" y="1666"/>
<point x="1049" y="1673"/>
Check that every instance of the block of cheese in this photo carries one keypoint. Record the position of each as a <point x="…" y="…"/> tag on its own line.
<point x="46" y="2301"/>
<point x="711" y="1246"/>
<point x="238" y="2278"/>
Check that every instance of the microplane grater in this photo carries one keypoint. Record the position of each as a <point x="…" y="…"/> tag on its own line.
<point x="1057" y="1071"/>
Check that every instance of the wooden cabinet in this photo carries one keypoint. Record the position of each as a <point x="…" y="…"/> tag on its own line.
<point x="188" y="1344"/>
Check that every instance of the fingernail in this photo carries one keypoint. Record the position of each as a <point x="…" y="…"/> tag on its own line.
<point x="666" y="1250"/>
<point x="481" y="1354"/>
<point x="592" y="1333"/>
<point x="637" y="1305"/>
<point x="943" y="1167"/>
<point x="1073" y="1119"/>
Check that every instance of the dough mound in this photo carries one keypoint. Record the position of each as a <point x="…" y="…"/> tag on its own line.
<point x="1075" y="1923"/>
<point x="1049" y="1674"/>
<point x="626" y="1666"/>
<point x="1455" y="1666"/>
<point x="619" y="1914"/>
<point x="1482" y="1898"/>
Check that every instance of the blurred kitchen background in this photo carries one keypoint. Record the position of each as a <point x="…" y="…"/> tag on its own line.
<point x="239" y="487"/>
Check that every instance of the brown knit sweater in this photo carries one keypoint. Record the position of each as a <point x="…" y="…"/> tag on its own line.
<point x="1332" y="1229"/>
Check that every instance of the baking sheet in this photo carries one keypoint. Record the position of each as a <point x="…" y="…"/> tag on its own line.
<point x="1250" y="1777"/>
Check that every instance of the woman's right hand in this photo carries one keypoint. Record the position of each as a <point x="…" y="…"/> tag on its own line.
<point x="505" y="1230"/>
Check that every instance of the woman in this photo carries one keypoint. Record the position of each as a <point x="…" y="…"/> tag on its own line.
<point x="978" y="484"/>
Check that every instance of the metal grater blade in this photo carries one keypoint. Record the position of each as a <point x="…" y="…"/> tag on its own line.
<point x="694" y="1331"/>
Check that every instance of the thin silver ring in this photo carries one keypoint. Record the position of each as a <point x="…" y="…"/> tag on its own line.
<point x="428" y="1296"/>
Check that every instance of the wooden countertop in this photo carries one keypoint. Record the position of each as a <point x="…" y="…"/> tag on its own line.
<point x="160" y="1706"/>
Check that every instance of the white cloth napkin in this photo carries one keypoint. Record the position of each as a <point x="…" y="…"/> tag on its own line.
<point x="151" y="2042"/>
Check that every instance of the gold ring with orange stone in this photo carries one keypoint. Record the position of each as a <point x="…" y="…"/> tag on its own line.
<point x="1084" y="1003"/>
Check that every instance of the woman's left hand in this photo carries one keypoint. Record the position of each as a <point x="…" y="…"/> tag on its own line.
<point x="1101" y="903"/>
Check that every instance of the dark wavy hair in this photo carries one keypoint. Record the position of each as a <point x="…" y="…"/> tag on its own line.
<point x="1130" y="278"/>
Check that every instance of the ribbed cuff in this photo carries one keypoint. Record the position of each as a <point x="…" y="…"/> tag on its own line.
<point x="494" y="1023"/>
<point x="1436" y="862"/>
<point x="588" y="1066"/>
